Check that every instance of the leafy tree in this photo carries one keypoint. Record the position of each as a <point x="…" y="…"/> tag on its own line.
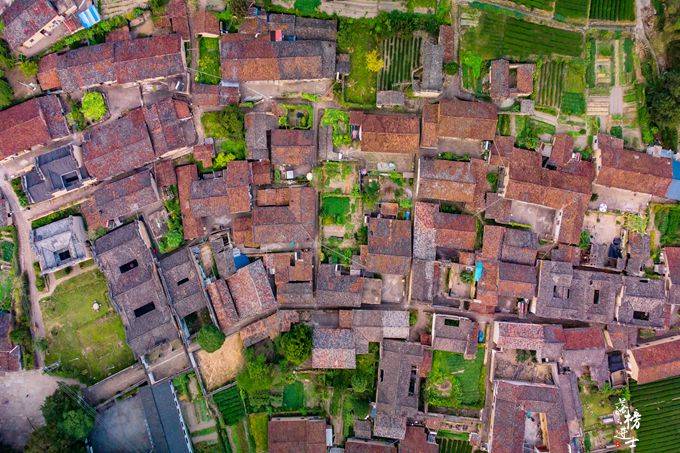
<point x="663" y="99"/>
<point x="29" y="68"/>
<point x="226" y="124"/>
<point x="6" y="94"/>
<point x="373" y="62"/>
<point x="296" y="346"/>
<point x="451" y="68"/>
<point x="77" y="424"/>
<point x="222" y="159"/>
<point x="93" y="106"/>
<point x="21" y="335"/>
<point x="48" y="439"/>
<point x="256" y="374"/>
<point x="6" y="58"/>
<point x="41" y="343"/>
<point x="466" y="276"/>
<point x="359" y="383"/>
<point x="210" y="338"/>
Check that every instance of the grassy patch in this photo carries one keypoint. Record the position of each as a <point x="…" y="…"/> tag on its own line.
<point x="339" y="121"/>
<point x="545" y="5"/>
<point x="469" y="375"/>
<point x="19" y="191"/>
<point x="355" y="37"/>
<point x="230" y="404"/>
<point x="335" y="208"/>
<point x="55" y="216"/>
<point x="667" y="221"/>
<point x="258" y="429"/>
<point x="227" y="128"/>
<point x="307" y="6"/>
<point x="89" y="344"/>
<point x="294" y="396"/>
<point x="208" y="61"/>
<point x="571" y="9"/>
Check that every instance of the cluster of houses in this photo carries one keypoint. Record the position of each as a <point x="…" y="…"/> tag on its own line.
<point x="509" y="219"/>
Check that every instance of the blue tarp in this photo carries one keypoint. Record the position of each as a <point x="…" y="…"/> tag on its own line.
<point x="479" y="271"/>
<point x="89" y="17"/>
<point x="673" y="191"/>
<point x="241" y="261"/>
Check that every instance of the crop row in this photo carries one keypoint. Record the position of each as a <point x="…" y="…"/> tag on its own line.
<point x="230" y="404"/>
<point x="550" y="83"/>
<point x="615" y="10"/>
<point x="545" y="5"/>
<point x="574" y="9"/>
<point x="401" y="56"/>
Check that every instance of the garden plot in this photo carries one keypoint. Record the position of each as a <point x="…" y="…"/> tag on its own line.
<point x="596" y="403"/>
<point x="612" y="10"/>
<point x="455" y="382"/>
<point x="8" y="271"/>
<point x="511" y="364"/>
<point x="571" y="9"/>
<point x="84" y="333"/>
<point x="208" y="61"/>
<point x="659" y="406"/>
<point x="550" y="82"/>
<point x="545" y="5"/>
<point x="401" y="55"/>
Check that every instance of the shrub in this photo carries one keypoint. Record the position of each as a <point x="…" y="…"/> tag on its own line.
<point x="296" y="345"/>
<point x="93" y="106"/>
<point x="6" y="94"/>
<point x="467" y="276"/>
<point x="584" y="240"/>
<point x="29" y="68"/>
<point x="210" y="338"/>
<point x="373" y="62"/>
<point x="451" y="68"/>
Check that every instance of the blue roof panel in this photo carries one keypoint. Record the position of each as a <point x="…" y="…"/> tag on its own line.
<point x="89" y="17"/>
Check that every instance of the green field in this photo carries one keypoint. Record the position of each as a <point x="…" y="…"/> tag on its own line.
<point x="667" y="221"/>
<point x="469" y="374"/>
<point x="571" y="9"/>
<point x="258" y="430"/>
<point x="545" y="5"/>
<point x="355" y="37"/>
<point x="402" y="56"/>
<point x="335" y="208"/>
<point x="88" y="344"/>
<point x="573" y="104"/>
<point x="550" y="83"/>
<point x="659" y="406"/>
<point x="498" y="35"/>
<point x="449" y="445"/>
<point x="208" y="61"/>
<point x="294" y="396"/>
<point x="614" y="10"/>
<point x="230" y="404"/>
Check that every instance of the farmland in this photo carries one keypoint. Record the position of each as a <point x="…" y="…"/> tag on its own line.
<point x="401" y="55"/>
<point x="546" y="5"/>
<point x="550" y="83"/>
<point x="614" y="10"/>
<point x="571" y="9"/>
<point x="667" y="221"/>
<point x="659" y="406"/>
<point x="499" y="35"/>
<point x="450" y="442"/>
<point x="230" y="404"/>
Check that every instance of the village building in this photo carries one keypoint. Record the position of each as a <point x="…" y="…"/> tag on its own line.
<point x="644" y="303"/>
<point x="450" y="121"/>
<point x="298" y="434"/>
<point x="293" y="277"/>
<point x="339" y="288"/>
<point x="452" y="181"/>
<point x="183" y="283"/>
<point x="389" y="246"/>
<point x="655" y="361"/>
<point x="438" y="234"/>
<point x="60" y="244"/>
<point x="508" y="81"/>
<point x="284" y="217"/>
<point x="36" y="122"/>
<point x="135" y="289"/>
<point x="333" y="348"/>
<point x="53" y="174"/>
<point x="455" y="334"/>
<point x="164" y="420"/>
<point x="385" y="132"/>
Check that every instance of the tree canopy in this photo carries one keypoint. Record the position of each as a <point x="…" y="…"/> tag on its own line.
<point x="210" y="338"/>
<point x="93" y="106"/>
<point x="663" y="101"/>
<point x="256" y="374"/>
<point x="295" y="346"/>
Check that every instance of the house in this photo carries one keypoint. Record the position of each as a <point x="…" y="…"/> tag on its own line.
<point x="418" y="439"/>
<point x="333" y="348"/>
<point x="259" y="127"/>
<point x="164" y="172"/>
<point x="644" y="303"/>
<point x="430" y="78"/>
<point x="205" y="23"/>
<point x="585" y="350"/>
<point x="389" y="246"/>
<point x="164" y="419"/>
<point x="454" y="119"/>
<point x="639" y="254"/>
<point x="529" y="183"/>
<point x="655" y="361"/>
<point x="135" y="289"/>
<point x="546" y="339"/>
<point x="175" y="17"/>
<point x="338" y="289"/>
<point x="297" y="434"/>
<point x="508" y="81"/>
<point x="633" y="171"/>
<point x="60" y="244"/>
<point x="285" y="215"/>
<point x="270" y="327"/>
<point x="54" y="173"/>
<point x="510" y="245"/>
<point x="203" y="154"/>
<point x="372" y="326"/>
<point x="221" y="95"/>
<point x="250" y="291"/>
<point x="170" y="125"/>
<point x="10" y="354"/>
<point x="27" y="22"/>
<point x="121" y="62"/>
<point x="441" y="234"/>
<point x="519" y="404"/>
<point x="452" y="181"/>
<point x="399" y="375"/>
<point x="115" y="201"/>
<point x="213" y="198"/>
<point x="36" y="122"/>
<point x="294" y="149"/>
<point x="672" y="258"/>
<point x="118" y="146"/>
<point x="455" y="334"/>
<point x="389" y="98"/>
<point x="293" y="276"/>
<point x="354" y="445"/>
<point x="385" y="132"/>
<point x="183" y="282"/>
<point x="569" y="293"/>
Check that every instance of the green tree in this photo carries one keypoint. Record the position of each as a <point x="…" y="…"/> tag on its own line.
<point x="296" y="345"/>
<point x="256" y="375"/>
<point x="77" y="424"/>
<point x="210" y="338"/>
<point x="373" y="62"/>
<point x="584" y="240"/>
<point x="21" y="335"/>
<point x="222" y="159"/>
<point x="226" y="124"/>
<point x="6" y="94"/>
<point x="663" y="99"/>
<point x="48" y="439"/>
<point x="359" y="383"/>
<point x="93" y="106"/>
<point x="29" y="68"/>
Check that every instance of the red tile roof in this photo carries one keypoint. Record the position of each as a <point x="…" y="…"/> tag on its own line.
<point x="297" y="435"/>
<point x="657" y="360"/>
<point x="25" y="18"/>
<point x="388" y="133"/>
<point x="293" y="147"/>
<point x="453" y="118"/>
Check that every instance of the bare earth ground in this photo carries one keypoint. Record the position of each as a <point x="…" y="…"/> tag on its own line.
<point x="221" y="366"/>
<point x="21" y="395"/>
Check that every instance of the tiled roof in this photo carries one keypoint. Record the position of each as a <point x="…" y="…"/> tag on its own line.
<point x="170" y="124"/>
<point x="454" y="118"/>
<point x="434" y="230"/>
<point x="293" y="276"/>
<point x="222" y="303"/>
<point x="657" y="360"/>
<point x="389" y="246"/>
<point x="446" y="180"/>
<point x="455" y="334"/>
<point x="205" y="22"/>
<point x="334" y="289"/>
<point x="284" y="215"/>
<point x="214" y="95"/>
<point x="34" y="122"/>
<point x="183" y="282"/>
<point x="333" y="348"/>
<point x="644" y="303"/>
<point x="293" y="147"/>
<point x="632" y="170"/>
<point x="388" y="133"/>
<point x="25" y="18"/>
<point x="297" y="434"/>
<point x="251" y="291"/>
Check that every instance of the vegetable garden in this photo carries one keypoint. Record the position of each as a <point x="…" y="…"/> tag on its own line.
<point x="230" y="404"/>
<point x="550" y="83"/>
<point x="614" y="10"/>
<point x="545" y="5"/>
<point x="448" y="445"/>
<point x="402" y="56"/>
<point x="659" y="406"/>
<point x="572" y="9"/>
